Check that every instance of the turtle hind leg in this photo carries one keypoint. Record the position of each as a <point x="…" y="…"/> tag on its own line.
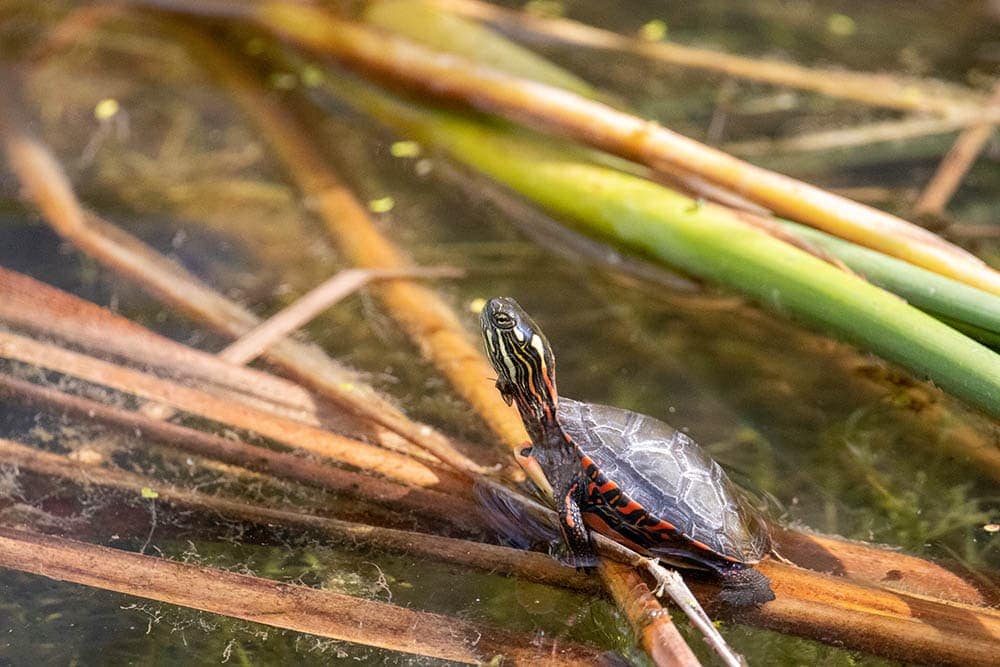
<point x="744" y="587"/>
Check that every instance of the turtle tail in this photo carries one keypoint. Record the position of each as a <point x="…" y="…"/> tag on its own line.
<point x="744" y="587"/>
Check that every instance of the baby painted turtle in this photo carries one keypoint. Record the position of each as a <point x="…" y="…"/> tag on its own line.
<point x="626" y="475"/>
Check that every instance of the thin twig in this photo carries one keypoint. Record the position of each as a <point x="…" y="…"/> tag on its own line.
<point x="254" y="343"/>
<point x="897" y="131"/>
<point x="876" y="89"/>
<point x="956" y="163"/>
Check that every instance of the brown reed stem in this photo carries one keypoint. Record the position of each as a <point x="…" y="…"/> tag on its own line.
<point x="43" y="310"/>
<point x="47" y="311"/>
<point x="352" y="452"/>
<point x="425" y="502"/>
<point x="527" y="564"/>
<point x="293" y="607"/>
<point x="649" y="620"/>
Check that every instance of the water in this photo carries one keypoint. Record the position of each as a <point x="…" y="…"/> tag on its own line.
<point x="837" y="441"/>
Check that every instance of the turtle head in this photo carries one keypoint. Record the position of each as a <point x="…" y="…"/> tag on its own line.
<point x="522" y="358"/>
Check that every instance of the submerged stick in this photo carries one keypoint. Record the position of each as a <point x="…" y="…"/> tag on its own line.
<point x="957" y="162"/>
<point x="293" y="607"/>
<point x="47" y="185"/>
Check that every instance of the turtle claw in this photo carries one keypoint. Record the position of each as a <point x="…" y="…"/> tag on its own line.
<point x="581" y="562"/>
<point x="585" y="563"/>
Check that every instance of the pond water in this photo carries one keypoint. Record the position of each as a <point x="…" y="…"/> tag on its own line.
<point x="834" y="439"/>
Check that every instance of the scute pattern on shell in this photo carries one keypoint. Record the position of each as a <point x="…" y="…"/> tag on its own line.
<point x="667" y="473"/>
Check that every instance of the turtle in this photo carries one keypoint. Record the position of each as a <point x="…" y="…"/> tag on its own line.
<point x="626" y="475"/>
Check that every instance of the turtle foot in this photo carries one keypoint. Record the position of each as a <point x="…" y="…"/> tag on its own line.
<point x="582" y="563"/>
<point x="745" y="587"/>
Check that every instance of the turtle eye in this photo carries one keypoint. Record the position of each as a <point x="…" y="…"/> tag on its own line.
<point x="503" y="320"/>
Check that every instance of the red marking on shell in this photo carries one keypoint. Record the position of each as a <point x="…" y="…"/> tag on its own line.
<point x="629" y="507"/>
<point x="606" y="487"/>
<point x="701" y="545"/>
<point x="662" y="525"/>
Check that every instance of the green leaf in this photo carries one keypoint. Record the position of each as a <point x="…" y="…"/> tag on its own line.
<point x="446" y="32"/>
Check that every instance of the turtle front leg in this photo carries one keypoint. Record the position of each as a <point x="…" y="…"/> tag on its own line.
<point x="576" y="537"/>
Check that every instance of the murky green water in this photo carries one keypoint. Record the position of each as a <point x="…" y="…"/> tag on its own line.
<point x="837" y="441"/>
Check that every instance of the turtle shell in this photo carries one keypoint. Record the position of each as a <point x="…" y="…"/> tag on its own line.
<point x="671" y="478"/>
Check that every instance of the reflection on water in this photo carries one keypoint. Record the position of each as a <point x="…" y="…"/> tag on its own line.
<point x="835" y="439"/>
